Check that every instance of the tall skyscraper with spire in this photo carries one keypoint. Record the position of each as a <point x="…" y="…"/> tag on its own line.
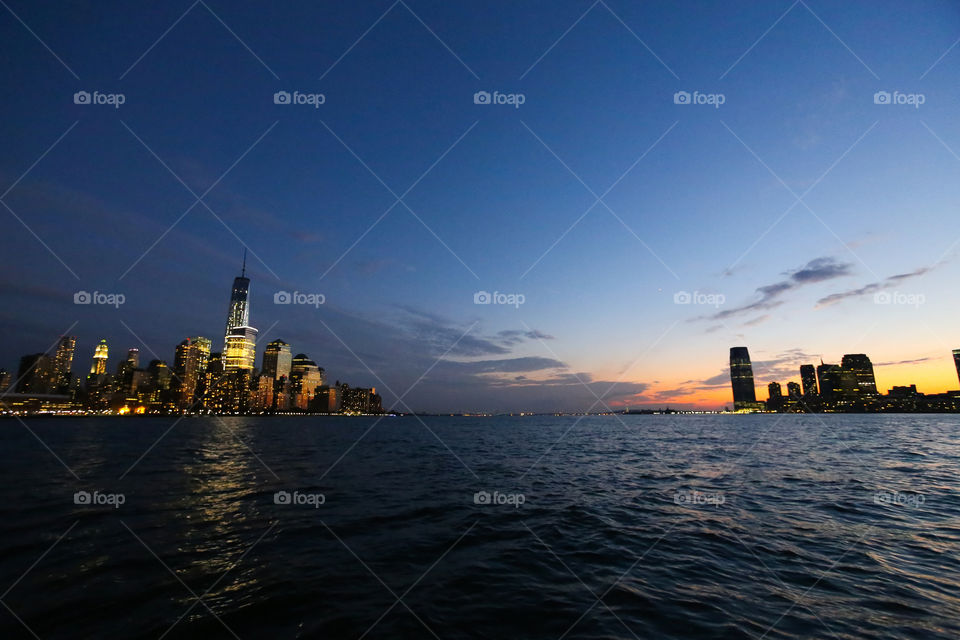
<point x="240" y="341"/>
<point x="239" y="312"/>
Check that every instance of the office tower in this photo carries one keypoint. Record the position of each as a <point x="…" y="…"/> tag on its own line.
<point x="63" y="362"/>
<point x="829" y="379"/>
<point x="305" y="377"/>
<point x="774" y="390"/>
<point x="263" y="393"/>
<point x="238" y="314"/>
<point x="741" y="378"/>
<point x="36" y="374"/>
<point x="240" y="349"/>
<point x="359" y="400"/>
<point x="133" y="358"/>
<point x="189" y="367"/>
<point x="327" y="400"/>
<point x="276" y="360"/>
<point x="808" y="376"/>
<point x="956" y="360"/>
<point x="793" y="390"/>
<point x="859" y="376"/>
<point x="240" y="340"/>
<point x="100" y="354"/>
<point x="5" y="380"/>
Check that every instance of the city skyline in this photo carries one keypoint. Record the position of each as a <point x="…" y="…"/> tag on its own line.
<point x="787" y="182"/>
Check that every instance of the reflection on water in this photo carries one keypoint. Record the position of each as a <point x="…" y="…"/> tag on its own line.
<point x="682" y="526"/>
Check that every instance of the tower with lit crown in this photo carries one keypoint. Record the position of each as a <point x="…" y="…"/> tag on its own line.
<point x="100" y="354"/>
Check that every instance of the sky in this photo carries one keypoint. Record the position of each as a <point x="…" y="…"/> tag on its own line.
<point x="502" y="206"/>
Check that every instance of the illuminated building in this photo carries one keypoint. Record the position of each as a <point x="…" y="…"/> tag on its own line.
<point x="240" y="340"/>
<point x="276" y="360"/>
<point x="240" y="349"/>
<point x="741" y="378"/>
<point x="5" y="380"/>
<point x="100" y="354"/>
<point x="305" y="377"/>
<point x="189" y="367"/>
<point x="63" y="361"/>
<point x="808" y="376"/>
<point x="793" y="390"/>
<point x="238" y="314"/>
<point x="327" y="400"/>
<point x="263" y="394"/>
<point x="359" y="400"/>
<point x="860" y="375"/>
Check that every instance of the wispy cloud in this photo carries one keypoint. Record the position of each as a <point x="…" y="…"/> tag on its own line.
<point x="873" y="287"/>
<point x="771" y="295"/>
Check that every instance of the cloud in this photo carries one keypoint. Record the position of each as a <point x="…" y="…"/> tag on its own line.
<point x="818" y="270"/>
<point x="757" y="320"/>
<point x="899" y="362"/>
<point x="873" y="287"/>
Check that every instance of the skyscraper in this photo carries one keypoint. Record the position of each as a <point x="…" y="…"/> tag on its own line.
<point x="956" y="360"/>
<point x="240" y="341"/>
<point x="36" y="374"/>
<point x="741" y="377"/>
<point x="189" y="366"/>
<point x="238" y="314"/>
<point x="276" y="360"/>
<point x="861" y="374"/>
<point x="808" y="377"/>
<point x="63" y="361"/>
<point x="100" y="354"/>
<point x="829" y="379"/>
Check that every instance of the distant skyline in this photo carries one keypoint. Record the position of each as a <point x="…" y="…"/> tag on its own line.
<point x="633" y="234"/>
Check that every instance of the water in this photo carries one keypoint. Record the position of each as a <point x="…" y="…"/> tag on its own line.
<point x="785" y="538"/>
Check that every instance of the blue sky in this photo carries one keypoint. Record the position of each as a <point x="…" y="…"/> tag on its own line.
<point x="494" y="198"/>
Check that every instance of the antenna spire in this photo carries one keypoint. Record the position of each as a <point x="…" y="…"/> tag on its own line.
<point x="243" y="272"/>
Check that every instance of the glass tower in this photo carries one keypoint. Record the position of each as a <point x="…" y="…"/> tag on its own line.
<point x="741" y="377"/>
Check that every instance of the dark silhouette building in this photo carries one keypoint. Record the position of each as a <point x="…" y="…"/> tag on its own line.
<point x="956" y="360"/>
<point x="741" y="378"/>
<point x="808" y="377"/>
<point x="859" y="372"/>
